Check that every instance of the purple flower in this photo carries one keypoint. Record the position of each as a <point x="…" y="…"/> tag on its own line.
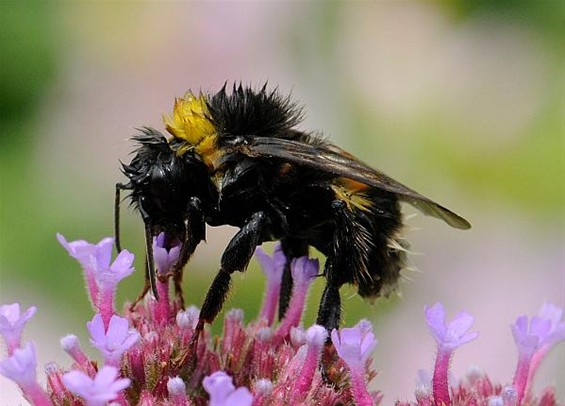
<point x="113" y="342"/>
<point x="12" y="323"/>
<point x="20" y="367"/>
<point x="263" y="387"/>
<point x="187" y="319"/>
<point x="544" y="330"/>
<point x="315" y="338"/>
<point x="533" y="341"/>
<point x="530" y="338"/>
<point x="354" y="345"/>
<point x="222" y="392"/>
<point x="177" y="391"/>
<point x="165" y="258"/>
<point x="273" y="268"/>
<point x="454" y="335"/>
<point x="71" y="346"/>
<point x="102" y="277"/>
<point x="303" y="271"/>
<point x="98" y="391"/>
<point x="448" y="338"/>
<point x="87" y="254"/>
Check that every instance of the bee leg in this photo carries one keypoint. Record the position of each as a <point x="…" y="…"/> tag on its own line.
<point x="117" y="202"/>
<point x="195" y="232"/>
<point x="236" y="257"/>
<point x="329" y="314"/>
<point x="292" y="248"/>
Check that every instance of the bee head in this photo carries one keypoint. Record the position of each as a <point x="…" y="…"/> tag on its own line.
<point x="162" y="183"/>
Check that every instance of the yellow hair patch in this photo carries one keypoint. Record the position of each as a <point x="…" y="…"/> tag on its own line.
<point x="190" y="120"/>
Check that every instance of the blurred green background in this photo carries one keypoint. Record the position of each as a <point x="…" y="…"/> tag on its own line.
<point x="463" y="101"/>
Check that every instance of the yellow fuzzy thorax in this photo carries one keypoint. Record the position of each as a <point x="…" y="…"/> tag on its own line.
<point x="191" y="122"/>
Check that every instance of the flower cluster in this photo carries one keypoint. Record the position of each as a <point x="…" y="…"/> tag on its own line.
<point x="144" y="358"/>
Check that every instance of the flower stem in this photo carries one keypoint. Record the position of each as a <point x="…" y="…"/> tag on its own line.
<point x="440" y="382"/>
<point x="293" y="314"/>
<point x="162" y="307"/>
<point x="270" y="301"/>
<point x="521" y="376"/>
<point x="106" y="304"/>
<point x="359" y="388"/>
<point x="36" y="395"/>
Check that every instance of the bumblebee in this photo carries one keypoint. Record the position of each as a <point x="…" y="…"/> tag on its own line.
<point x="237" y="158"/>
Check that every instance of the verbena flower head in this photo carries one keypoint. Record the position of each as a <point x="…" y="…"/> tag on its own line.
<point x="143" y="356"/>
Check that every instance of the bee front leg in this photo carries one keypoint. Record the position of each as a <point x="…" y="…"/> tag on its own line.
<point x="236" y="257"/>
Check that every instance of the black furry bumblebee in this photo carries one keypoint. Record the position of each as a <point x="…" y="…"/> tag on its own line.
<point x="237" y="158"/>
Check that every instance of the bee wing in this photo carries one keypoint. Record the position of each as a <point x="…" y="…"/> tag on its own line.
<point x="331" y="159"/>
